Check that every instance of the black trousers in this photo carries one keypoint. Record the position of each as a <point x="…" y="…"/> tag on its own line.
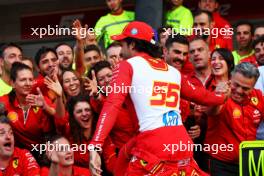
<point x="221" y="168"/>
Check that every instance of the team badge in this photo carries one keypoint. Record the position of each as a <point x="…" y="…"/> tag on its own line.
<point x="236" y="113"/>
<point x="171" y="118"/>
<point x="36" y="109"/>
<point x="15" y="163"/>
<point x="182" y="173"/>
<point x="143" y="163"/>
<point x="12" y="116"/>
<point x="255" y="101"/>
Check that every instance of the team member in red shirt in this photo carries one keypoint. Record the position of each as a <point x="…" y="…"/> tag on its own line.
<point x="13" y="160"/>
<point x="176" y="54"/>
<point x="203" y="21"/>
<point x="258" y="58"/>
<point x="62" y="160"/>
<point x="239" y="119"/>
<point x="28" y="113"/>
<point x="77" y="125"/>
<point x="157" y="112"/>
<point x="219" y="22"/>
<point x="48" y="65"/>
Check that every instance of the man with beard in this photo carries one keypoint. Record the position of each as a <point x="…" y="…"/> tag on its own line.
<point x="176" y="55"/>
<point x="244" y="36"/>
<point x="9" y="54"/>
<point x="114" y="22"/>
<point x="13" y="160"/>
<point x="48" y="65"/>
<point x="204" y="26"/>
<point x="65" y="56"/>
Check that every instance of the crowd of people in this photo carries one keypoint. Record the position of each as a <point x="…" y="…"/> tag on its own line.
<point x="184" y="103"/>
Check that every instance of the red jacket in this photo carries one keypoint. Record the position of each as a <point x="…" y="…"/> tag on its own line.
<point x="29" y="128"/>
<point x="237" y="123"/>
<point x="21" y="163"/>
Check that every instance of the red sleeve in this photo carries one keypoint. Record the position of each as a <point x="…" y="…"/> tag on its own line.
<point x="122" y="76"/>
<point x="30" y="166"/>
<point x="109" y="155"/>
<point x="200" y="95"/>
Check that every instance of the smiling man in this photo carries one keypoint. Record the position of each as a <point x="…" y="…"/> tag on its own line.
<point x="239" y="119"/>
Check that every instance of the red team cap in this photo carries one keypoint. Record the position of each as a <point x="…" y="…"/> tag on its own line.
<point x="138" y="30"/>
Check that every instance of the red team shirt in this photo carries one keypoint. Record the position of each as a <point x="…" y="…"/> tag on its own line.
<point x="22" y="163"/>
<point x="29" y="127"/>
<point x="236" y="123"/>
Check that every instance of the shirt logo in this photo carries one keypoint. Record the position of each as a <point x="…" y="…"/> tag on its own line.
<point x="236" y="113"/>
<point x="12" y="116"/>
<point x="255" y="101"/>
<point x="15" y="163"/>
<point x="36" y="109"/>
<point x="171" y="118"/>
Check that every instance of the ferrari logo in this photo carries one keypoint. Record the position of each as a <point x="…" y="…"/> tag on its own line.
<point x="36" y="109"/>
<point x="255" y="101"/>
<point x="15" y="163"/>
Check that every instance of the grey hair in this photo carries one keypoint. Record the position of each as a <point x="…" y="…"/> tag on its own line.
<point x="247" y="69"/>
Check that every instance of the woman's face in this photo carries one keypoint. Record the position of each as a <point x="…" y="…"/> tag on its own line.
<point x="24" y="82"/>
<point x="64" y="152"/>
<point x="71" y="84"/>
<point x="219" y="65"/>
<point x="104" y="77"/>
<point x="83" y="114"/>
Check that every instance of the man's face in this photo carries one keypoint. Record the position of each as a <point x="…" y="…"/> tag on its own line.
<point x="176" y="55"/>
<point x="91" y="58"/>
<point x="49" y="64"/>
<point x="114" y="5"/>
<point x="208" y="5"/>
<point x="259" y="53"/>
<point x="24" y="82"/>
<point x="258" y="32"/>
<point x="11" y="55"/>
<point x="202" y="22"/>
<point x="113" y="54"/>
<point x="241" y="87"/>
<point x="243" y="36"/>
<point x="199" y="54"/>
<point x="164" y="36"/>
<point x="126" y="50"/>
<point x="6" y="141"/>
<point x="65" y="56"/>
